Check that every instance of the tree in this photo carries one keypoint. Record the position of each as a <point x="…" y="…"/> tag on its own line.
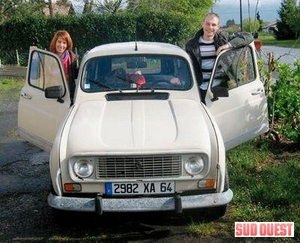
<point x="193" y="10"/>
<point x="250" y="25"/>
<point x="50" y="6"/>
<point x="88" y="6"/>
<point x="230" y="22"/>
<point x="259" y="21"/>
<point x="19" y="8"/>
<point x="186" y="7"/>
<point x="66" y="3"/>
<point x="284" y="31"/>
<point x="293" y="16"/>
<point x="72" y="10"/>
<point x="110" y="6"/>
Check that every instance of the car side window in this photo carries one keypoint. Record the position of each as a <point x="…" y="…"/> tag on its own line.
<point x="235" y="68"/>
<point x="44" y="71"/>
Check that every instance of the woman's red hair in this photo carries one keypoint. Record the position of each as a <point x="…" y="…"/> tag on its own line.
<point x="66" y="36"/>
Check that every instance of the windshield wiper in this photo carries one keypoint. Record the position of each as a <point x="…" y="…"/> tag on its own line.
<point x="99" y="83"/>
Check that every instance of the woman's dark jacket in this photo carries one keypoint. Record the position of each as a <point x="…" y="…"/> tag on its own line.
<point x="73" y="72"/>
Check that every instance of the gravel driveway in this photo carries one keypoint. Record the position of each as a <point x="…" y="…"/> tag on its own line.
<point x="26" y="217"/>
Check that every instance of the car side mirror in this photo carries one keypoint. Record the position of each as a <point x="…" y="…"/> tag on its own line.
<point x="219" y="91"/>
<point x="54" y="92"/>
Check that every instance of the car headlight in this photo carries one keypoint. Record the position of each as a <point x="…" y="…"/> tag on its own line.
<point x="83" y="168"/>
<point x="194" y="165"/>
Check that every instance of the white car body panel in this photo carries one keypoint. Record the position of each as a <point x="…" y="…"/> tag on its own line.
<point x="39" y="118"/>
<point x="242" y="115"/>
<point x="242" y="119"/>
<point x="161" y="121"/>
<point x="137" y="126"/>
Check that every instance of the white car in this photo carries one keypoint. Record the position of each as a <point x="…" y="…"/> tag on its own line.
<point x="136" y="137"/>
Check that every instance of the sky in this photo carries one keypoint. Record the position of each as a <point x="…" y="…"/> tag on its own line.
<point x="230" y="9"/>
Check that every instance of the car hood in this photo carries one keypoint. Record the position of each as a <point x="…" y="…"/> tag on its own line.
<point x="138" y="126"/>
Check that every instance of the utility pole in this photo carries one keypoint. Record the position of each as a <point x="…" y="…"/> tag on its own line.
<point x="241" y="15"/>
<point x="250" y="27"/>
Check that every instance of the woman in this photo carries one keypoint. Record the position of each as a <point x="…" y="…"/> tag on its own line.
<point x="62" y="45"/>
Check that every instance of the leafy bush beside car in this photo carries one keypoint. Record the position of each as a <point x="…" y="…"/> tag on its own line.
<point x="284" y="102"/>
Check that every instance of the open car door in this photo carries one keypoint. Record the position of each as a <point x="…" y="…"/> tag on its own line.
<point x="236" y="97"/>
<point x="39" y="117"/>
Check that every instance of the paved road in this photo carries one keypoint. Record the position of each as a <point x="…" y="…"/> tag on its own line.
<point x="283" y="54"/>
<point x="26" y="216"/>
<point x="20" y="162"/>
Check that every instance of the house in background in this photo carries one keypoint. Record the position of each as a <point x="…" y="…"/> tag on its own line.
<point x="60" y="9"/>
<point x="270" y="27"/>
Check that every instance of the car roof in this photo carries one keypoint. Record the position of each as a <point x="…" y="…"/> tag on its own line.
<point x="138" y="47"/>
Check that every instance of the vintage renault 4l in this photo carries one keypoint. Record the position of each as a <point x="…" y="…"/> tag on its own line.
<point x="136" y="136"/>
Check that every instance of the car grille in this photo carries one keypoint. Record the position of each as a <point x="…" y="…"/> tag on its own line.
<point x="138" y="167"/>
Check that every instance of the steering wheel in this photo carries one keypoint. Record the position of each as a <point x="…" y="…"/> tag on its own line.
<point x="162" y="82"/>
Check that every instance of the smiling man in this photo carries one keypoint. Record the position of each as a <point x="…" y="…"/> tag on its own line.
<point x="208" y="42"/>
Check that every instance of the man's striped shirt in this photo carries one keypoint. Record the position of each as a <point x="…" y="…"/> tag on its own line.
<point x="208" y="57"/>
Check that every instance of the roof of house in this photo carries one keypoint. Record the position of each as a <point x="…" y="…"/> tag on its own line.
<point x="58" y="9"/>
<point x="270" y="24"/>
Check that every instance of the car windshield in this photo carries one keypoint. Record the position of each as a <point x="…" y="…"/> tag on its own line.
<point x="134" y="72"/>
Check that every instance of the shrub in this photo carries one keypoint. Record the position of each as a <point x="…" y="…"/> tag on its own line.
<point x="284" y="102"/>
<point x="88" y="31"/>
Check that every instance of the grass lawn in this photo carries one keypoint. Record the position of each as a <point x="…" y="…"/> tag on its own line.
<point x="264" y="178"/>
<point x="269" y="40"/>
<point x="10" y="88"/>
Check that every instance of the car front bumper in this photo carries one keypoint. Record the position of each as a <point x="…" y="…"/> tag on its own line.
<point x="176" y="203"/>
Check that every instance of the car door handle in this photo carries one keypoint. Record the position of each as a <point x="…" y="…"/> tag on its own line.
<point x="26" y="96"/>
<point x="257" y="92"/>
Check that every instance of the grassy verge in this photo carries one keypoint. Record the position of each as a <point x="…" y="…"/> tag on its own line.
<point x="10" y="88"/>
<point x="269" y="40"/>
<point x="265" y="180"/>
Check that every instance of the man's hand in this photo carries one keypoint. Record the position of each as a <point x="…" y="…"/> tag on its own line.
<point x="175" y="81"/>
<point x="224" y="47"/>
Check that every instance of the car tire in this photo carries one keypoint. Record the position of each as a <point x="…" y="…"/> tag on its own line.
<point x="226" y="183"/>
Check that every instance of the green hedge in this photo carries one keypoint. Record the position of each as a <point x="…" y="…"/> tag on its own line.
<point x="88" y="31"/>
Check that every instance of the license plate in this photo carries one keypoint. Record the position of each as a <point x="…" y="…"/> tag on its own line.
<point x="140" y="188"/>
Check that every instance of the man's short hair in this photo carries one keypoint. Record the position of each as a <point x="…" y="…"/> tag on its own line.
<point x="212" y="14"/>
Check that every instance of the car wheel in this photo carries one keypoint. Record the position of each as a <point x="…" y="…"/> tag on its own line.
<point x="217" y="212"/>
<point x="226" y="183"/>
